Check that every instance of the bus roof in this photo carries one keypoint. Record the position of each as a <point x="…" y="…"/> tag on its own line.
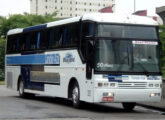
<point x="64" y="21"/>
<point x="119" y="18"/>
<point x="96" y="17"/>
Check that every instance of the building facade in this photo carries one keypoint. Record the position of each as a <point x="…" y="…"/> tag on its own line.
<point x="68" y="8"/>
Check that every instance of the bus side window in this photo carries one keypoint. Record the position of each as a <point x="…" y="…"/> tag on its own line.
<point x="9" y="44"/>
<point x="13" y="44"/>
<point x="43" y="44"/>
<point x="27" y="41"/>
<point x="63" y="36"/>
<point x="56" y="36"/>
<point x="17" y="43"/>
<point x="73" y="34"/>
<point x="38" y="40"/>
<point x="51" y="37"/>
<point x="33" y="40"/>
<point x="65" y="33"/>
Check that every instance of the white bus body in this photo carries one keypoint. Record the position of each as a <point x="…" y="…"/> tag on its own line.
<point x="54" y="72"/>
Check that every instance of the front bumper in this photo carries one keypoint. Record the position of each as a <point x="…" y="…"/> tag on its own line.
<point x="128" y="95"/>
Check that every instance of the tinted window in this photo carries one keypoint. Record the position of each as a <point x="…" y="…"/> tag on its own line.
<point x="63" y="36"/>
<point x="42" y="41"/>
<point x="13" y="44"/>
<point x="122" y="31"/>
<point x="33" y="41"/>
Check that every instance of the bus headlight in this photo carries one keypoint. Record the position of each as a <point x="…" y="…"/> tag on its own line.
<point x="106" y="85"/>
<point x="108" y="94"/>
<point x="100" y="84"/>
<point x="154" y="85"/>
<point x="151" y="85"/>
<point x="157" y="85"/>
<point x="112" y="84"/>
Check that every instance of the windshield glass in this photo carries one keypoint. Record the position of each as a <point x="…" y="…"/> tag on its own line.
<point x="126" y="56"/>
<point x="129" y="31"/>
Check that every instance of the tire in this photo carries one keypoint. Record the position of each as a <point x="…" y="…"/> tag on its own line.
<point x="21" y="88"/>
<point x="129" y="106"/>
<point x="76" y="95"/>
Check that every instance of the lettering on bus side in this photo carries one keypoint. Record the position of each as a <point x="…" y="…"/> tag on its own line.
<point x="68" y="58"/>
<point x="52" y="59"/>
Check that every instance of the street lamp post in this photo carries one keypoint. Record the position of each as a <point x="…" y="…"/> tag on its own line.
<point x="134" y="6"/>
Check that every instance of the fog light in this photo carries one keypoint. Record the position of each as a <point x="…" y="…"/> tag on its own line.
<point x="154" y="94"/>
<point x="110" y="94"/>
<point x="106" y="94"/>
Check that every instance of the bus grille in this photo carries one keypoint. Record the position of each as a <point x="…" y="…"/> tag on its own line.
<point x="132" y="85"/>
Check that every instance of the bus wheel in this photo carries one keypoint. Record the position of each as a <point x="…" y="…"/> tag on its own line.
<point x="76" y="96"/>
<point x="129" y="106"/>
<point x="21" y="89"/>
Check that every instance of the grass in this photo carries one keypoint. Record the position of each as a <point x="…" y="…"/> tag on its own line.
<point x="2" y="82"/>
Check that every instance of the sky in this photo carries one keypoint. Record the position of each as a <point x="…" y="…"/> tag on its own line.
<point x="8" y="7"/>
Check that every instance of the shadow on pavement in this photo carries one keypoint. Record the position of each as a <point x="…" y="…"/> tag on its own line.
<point x="100" y="108"/>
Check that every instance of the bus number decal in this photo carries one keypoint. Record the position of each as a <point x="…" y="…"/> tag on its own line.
<point x="52" y="59"/>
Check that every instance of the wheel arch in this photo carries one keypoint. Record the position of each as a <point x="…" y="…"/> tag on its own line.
<point x="70" y="86"/>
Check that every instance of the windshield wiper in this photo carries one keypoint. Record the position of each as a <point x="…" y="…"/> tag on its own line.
<point x="145" y="71"/>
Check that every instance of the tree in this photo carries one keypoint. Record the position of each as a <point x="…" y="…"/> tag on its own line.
<point x="2" y="58"/>
<point x="22" y="21"/>
<point x="2" y="19"/>
<point x="162" y="39"/>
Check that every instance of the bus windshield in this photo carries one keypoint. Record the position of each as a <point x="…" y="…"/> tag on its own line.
<point x="128" y="55"/>
<point x="127" y="31"/>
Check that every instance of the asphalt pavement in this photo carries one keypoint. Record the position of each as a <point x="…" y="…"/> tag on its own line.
<point x="157" y="106"/>
<point x="12" y="107"/>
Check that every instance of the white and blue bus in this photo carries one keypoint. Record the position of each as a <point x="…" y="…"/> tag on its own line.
<point x="96" y="58"/>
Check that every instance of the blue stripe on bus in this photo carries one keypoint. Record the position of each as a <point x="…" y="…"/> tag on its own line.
<point x="34" y="28"/>
<point x="114" y="78"/>
<point x="33" y="59"/>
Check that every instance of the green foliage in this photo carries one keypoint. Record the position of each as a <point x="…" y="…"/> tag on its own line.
<point x="2" y="20"/>
<point x="162" y="39"/>
<point x="2" y="52"/>
<point x="22" y="21"/>
<point x="2" y="58"/>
